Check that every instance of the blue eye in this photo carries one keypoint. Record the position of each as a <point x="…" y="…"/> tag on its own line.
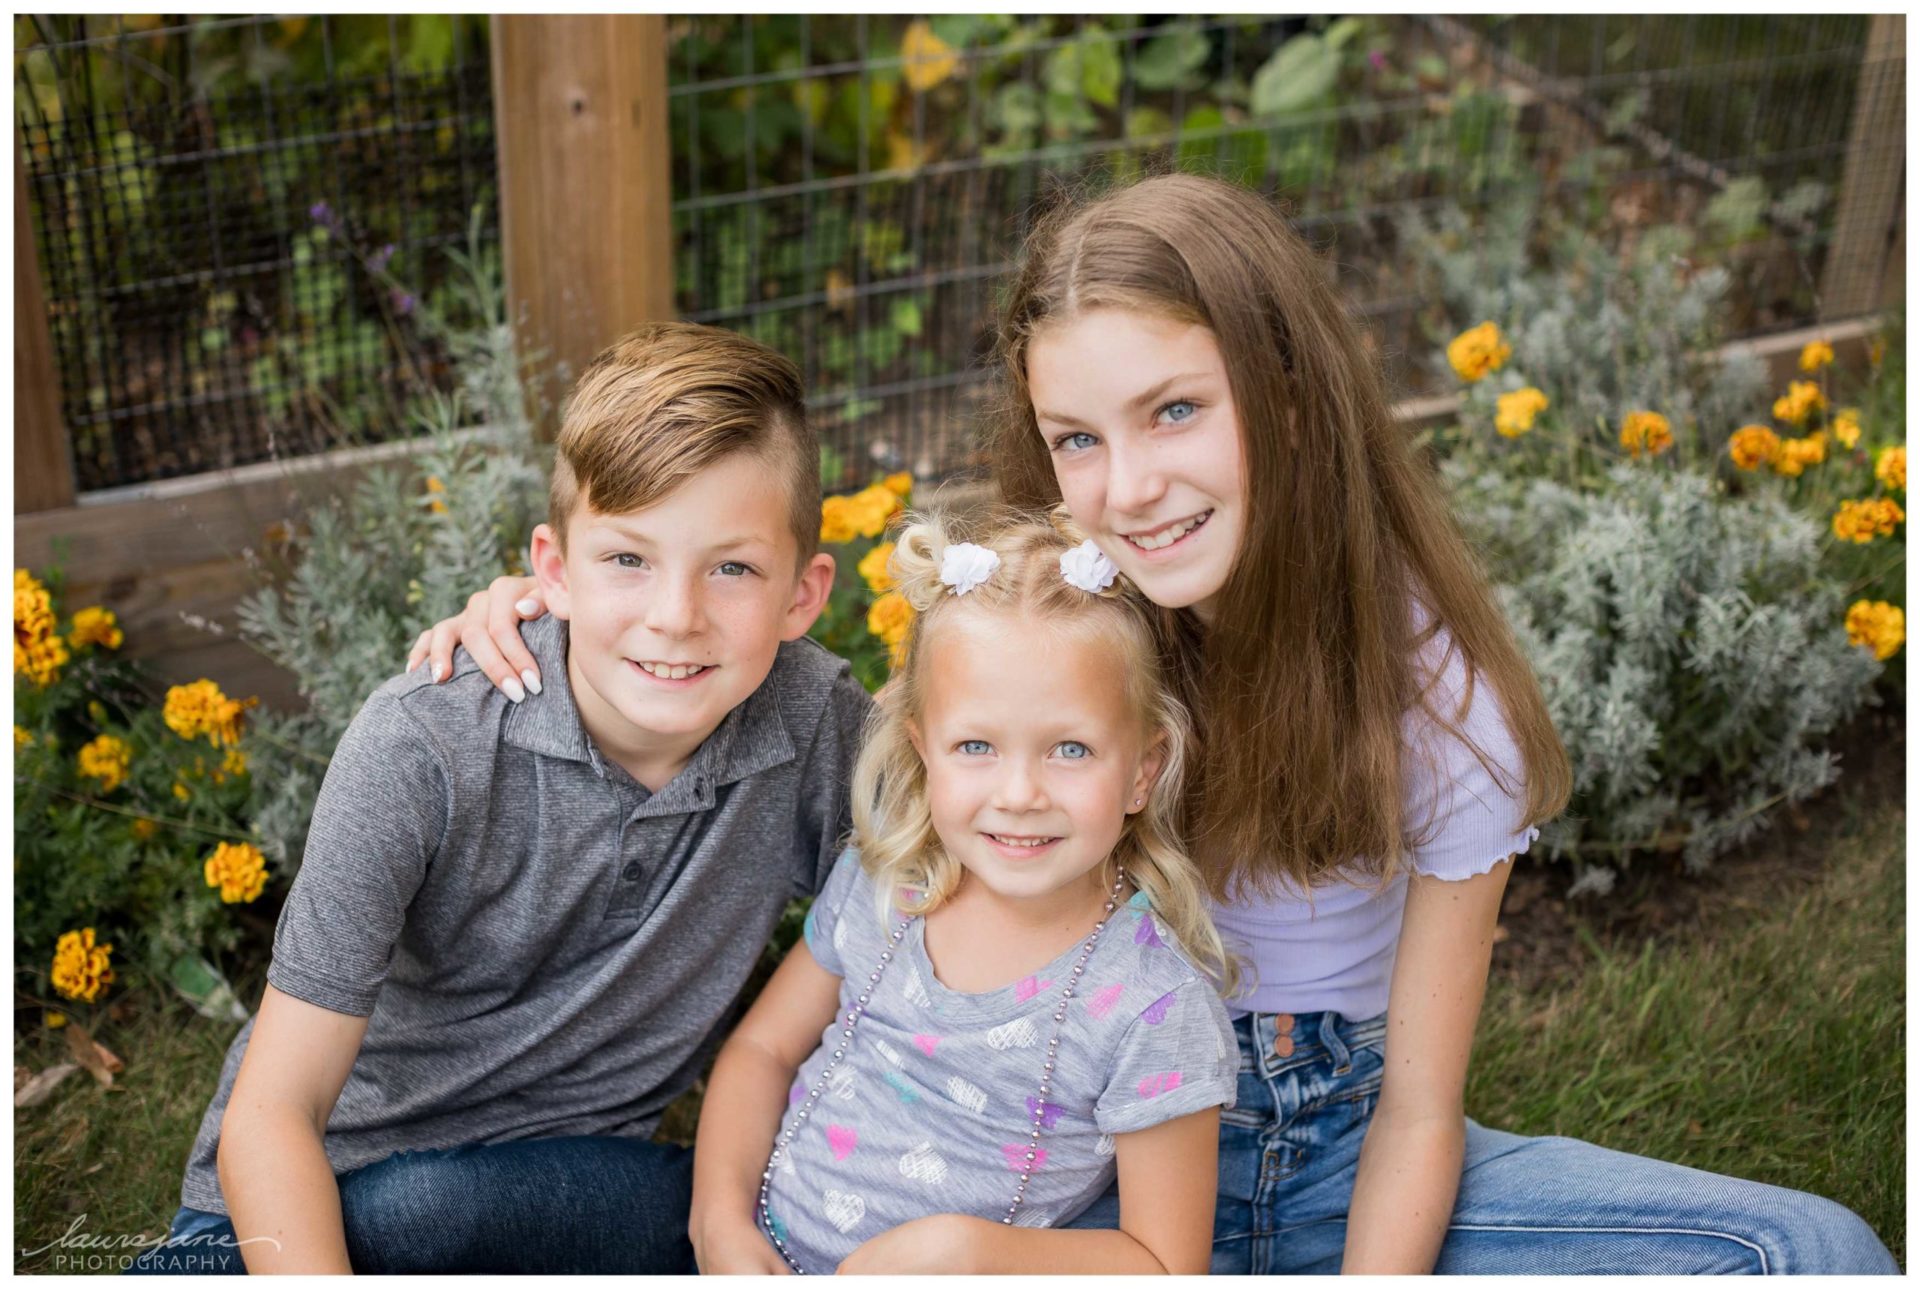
<point x="1078" y="441"/>
<point x="1073" y="750"/>
<point x="627" y="560"/>
<point x="974" y="747"/>
<point x="734" y="568"/>
<point x="1180" y="410"/>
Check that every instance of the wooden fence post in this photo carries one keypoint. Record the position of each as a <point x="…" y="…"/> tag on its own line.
<point x="42" y="464"/>
<point x="586" y="187"/>
<point x="1871" y="217"/>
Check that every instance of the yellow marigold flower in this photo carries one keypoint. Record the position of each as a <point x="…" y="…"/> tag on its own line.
<point x="200" y="708"/>
<point x="234" y="762"/>
<point x="21" y="738"/>
<point x="1801" y="400"/>
<point x="926" y="60"/>
<point x="238" y="871"/>
<point x="56" y="1020"/>
<point x="873" y="567"/>
<point x="96" y="626"/>
<point x="1477" y="351"/>
<point x="1862" y="521"/>
<point x="32" y="607"/>
<point x="434" y="489"/>
<point x="872" y="507"/>
<point x="1846" y="426"/>
<point x="1753" y="446"/>
<point x="1880" y="626"/>
<point x="1645" y="432"/>
<point x="145" y="829"/>
<point x="900" y="485"/>
<point x="40" y="659"/>
<point x="890" y="617"/>
<point x="1796" y="455"/>
<point x="1890" y="468"/>
<point x="81" y="968"/>
<point x="837" y="516"/>
<point x="1514" y="412"/>
<point x="1817" y="354"/>
<point x="106" y="759"/>
<point x="182" y="791"/>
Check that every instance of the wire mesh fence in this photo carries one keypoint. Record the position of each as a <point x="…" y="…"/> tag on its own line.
<point x="226" y="211"/>
<point x="224" y="208"/>
<point x="854" y="189"/>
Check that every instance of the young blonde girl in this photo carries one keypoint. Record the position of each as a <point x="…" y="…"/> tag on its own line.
<point x="993" y="1006"/>
<point x="1371" y="751"/>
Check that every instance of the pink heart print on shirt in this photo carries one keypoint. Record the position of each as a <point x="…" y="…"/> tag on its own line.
<point x="1156" y="1084"/>
<point x="1016" y="1156"/>
<point x="841" y="1141"/>
<point x="1146" y="934"/>
<point x="1101" y="1003"/>
<point x="926" y="1042"/>
<point x="1029" y="987"/>
<point x="1157" y="1010"/>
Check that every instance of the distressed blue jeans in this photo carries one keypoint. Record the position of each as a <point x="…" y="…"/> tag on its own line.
<point x="1527" y="1205"/>
<point x="553" y="1205"/>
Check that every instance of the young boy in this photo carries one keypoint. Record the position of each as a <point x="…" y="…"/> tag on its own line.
<point x="520" y="923"/>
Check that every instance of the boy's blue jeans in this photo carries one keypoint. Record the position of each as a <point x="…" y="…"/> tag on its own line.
<point x="1536" y="1205"/>
<point x="553" y="1205"/>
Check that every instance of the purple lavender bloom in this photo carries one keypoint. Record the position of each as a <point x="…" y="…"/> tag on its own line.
<point x="1377" y="60"/>
<point x="402" y="301"/>
<point x="378" y="260"/>
<point x="321" y="213"/>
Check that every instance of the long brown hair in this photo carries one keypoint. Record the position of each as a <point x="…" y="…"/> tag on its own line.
<point x="1301" y="684"/>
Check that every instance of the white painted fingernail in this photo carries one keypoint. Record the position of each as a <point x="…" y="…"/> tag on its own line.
<point x="526" y="609"/>
<point x="511" y="688"/>
<point x="439" y="671"/>
<point x="532" y="678"/>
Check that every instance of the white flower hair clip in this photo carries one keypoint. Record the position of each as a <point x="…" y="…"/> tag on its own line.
<point x="964" y="566"/>
<point x="1087" y="567"/>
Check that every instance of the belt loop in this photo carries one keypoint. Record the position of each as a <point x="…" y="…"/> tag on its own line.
<point x="1335" y="1045"/>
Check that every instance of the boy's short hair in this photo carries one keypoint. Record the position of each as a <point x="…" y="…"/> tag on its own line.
<point x="668" y="400"/>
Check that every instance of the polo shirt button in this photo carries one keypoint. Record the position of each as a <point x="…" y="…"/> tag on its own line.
<point x="1283" y="1047"/>
<point x="632" y="871"/>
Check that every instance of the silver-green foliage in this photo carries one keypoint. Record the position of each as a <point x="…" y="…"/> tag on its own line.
<point x="1690" y="650"/>
<point x="400" y="550"/>
<point x="1604" y="330"/>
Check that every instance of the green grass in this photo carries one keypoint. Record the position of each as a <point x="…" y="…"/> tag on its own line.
<point x="113" y="1154"/>
<point x="1772" y="1046"/>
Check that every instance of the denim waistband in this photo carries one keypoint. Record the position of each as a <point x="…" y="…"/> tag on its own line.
<point x="1316" y="1037"/>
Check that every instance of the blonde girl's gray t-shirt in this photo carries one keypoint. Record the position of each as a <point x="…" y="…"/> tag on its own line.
<point x="932" y="1109"/>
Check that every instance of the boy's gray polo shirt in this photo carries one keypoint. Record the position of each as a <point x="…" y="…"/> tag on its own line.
<point x="542" y="947"/>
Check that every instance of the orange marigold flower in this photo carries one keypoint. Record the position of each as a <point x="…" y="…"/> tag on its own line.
<point x="1753" y="446"/>
<point x="1862" y="521"/>
<point x="96" y="626"/>
<point x="1890" y="468"/>
<point x="238" y="871"/>
<point x="1816" y="354"/>
<point x="1514" y="411"/>
<point x="1878" y="625"/>
<point x="1801" y="400"/>
<point x="81" y="968"/>
<point x="1477" y="351"/>
<point x="873" y="567"/>
<point x="1645" y="433"/>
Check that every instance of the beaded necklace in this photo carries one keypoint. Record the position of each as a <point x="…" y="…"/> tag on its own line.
<point x="852" y="1021"/>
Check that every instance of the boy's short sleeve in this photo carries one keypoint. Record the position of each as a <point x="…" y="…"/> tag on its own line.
<point x="827" y="811"/>
<point x="847" y="886"/>
<point x="379" y="819"/>
<point x="1178" y="1056"/>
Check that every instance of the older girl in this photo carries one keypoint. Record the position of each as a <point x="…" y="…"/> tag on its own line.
<point x="1374" y="752"/>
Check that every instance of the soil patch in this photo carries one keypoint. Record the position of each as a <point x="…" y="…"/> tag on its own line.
<point x="1545" y="936"/>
